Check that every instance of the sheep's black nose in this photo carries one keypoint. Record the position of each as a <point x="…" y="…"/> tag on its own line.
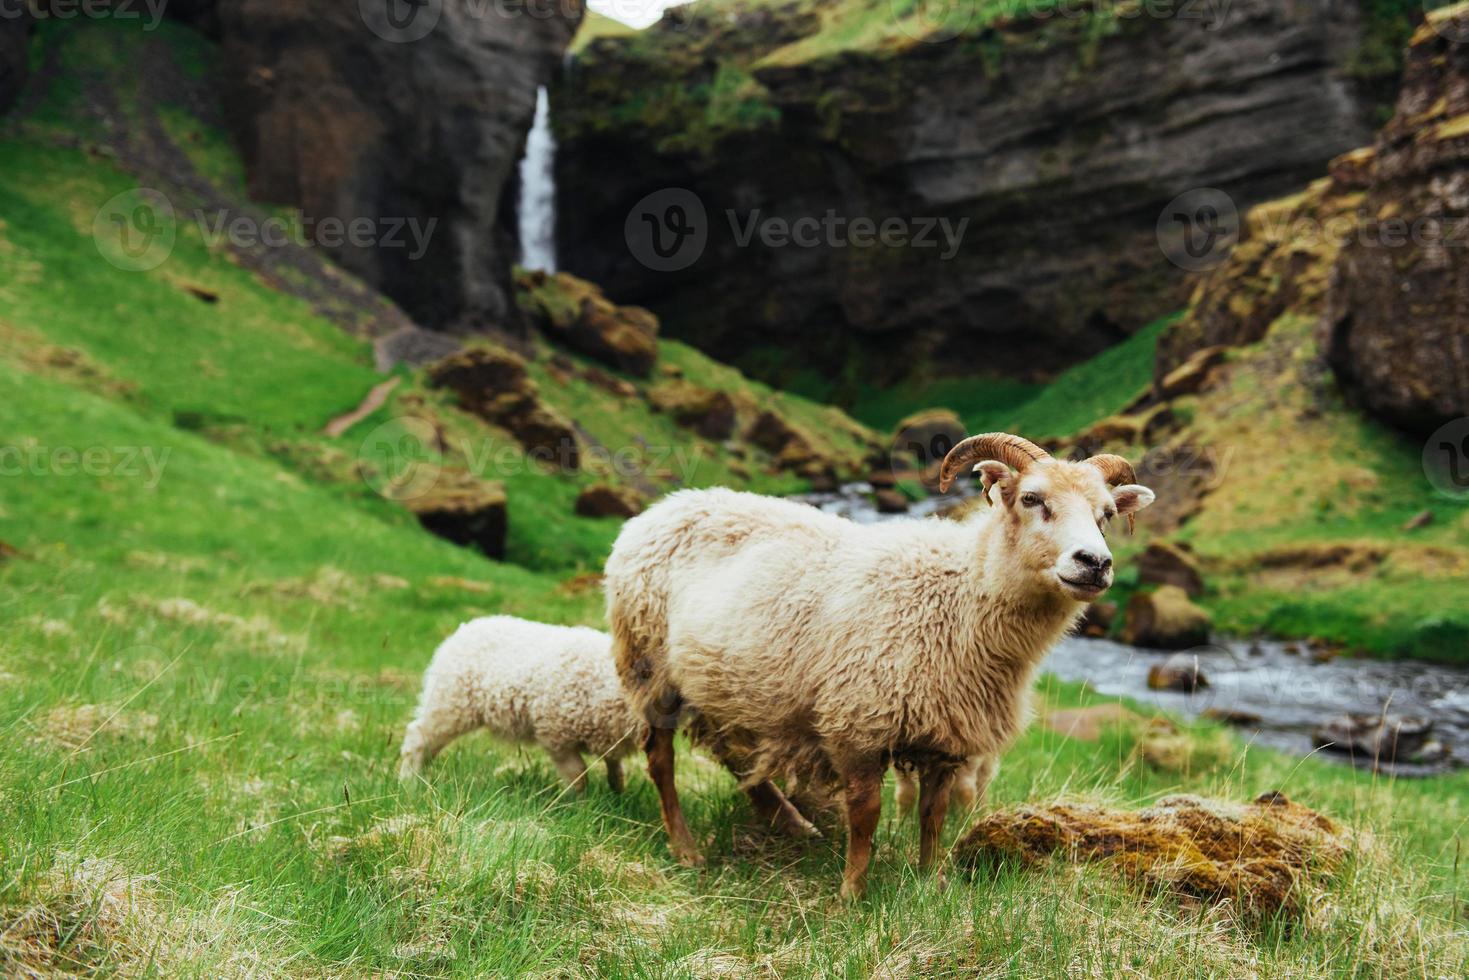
<point x="1092" y="560"/>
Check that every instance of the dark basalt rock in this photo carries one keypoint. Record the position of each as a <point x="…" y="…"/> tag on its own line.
<point x="1058" y="145"/>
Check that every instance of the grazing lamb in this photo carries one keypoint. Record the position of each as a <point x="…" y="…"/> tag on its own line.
<point x="813" y="645"/>
<point x="552" y="685"/>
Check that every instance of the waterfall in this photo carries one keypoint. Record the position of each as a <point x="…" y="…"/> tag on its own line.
<point x="538" y="191"/>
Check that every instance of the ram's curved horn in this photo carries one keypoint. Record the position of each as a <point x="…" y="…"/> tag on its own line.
<point x="1011" y="450"/>
<point x="1115" y="469"/>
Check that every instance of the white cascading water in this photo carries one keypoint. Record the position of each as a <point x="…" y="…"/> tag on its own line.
<point x="538" y="191"/>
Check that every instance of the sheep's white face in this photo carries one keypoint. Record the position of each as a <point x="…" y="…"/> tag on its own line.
<point x="1059" y="513"/>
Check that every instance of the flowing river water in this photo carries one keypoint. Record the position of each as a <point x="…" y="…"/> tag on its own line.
<point x="1276" y="695"/>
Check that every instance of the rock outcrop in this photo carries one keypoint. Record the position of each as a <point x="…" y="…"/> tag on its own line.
<point x="1398" y="330"/>
<point x="604" y="500"/>
<point x="708" y="412"/>
<point x="575" y="314"/>
<point x="402" y="133"/>
<point x="494" y="384"/>
<point x="1046" y="148"/>
<point x="13" y="61"/>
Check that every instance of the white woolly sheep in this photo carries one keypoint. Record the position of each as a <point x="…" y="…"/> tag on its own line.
<point x="815" y="646"/>
<point x="552" y="685"/>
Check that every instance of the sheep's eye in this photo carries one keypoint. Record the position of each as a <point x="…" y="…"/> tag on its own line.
<point x="1030" y="499"/>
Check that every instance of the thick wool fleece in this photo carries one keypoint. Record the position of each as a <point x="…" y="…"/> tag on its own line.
<point x="552" y="685"/>
<point x="812" y="640"/>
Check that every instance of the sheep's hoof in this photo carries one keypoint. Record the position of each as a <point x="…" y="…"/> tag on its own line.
<point x="852" y="891"/>
<point x="689" y="858"/>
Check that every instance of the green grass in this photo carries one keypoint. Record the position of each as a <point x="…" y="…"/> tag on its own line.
<point x="1080" y="395"/>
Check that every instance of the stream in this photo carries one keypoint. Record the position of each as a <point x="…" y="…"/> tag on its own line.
<point x="1276" y="696"/>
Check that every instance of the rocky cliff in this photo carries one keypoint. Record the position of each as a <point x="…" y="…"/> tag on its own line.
<point x="1053" y="142"/>
<point x="1397" y="331"/>
<point x="418" y="115"/>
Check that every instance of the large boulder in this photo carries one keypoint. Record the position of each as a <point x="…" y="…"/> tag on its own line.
<point x="14" y="26"/>
<point x="1051" y="146"/>
<point x="574" y="313"/>
<point x="1397" y="334"/>
<point x="1165" y="619"/>
<point x="493" y="383"/>
<point x="407" y="120"/>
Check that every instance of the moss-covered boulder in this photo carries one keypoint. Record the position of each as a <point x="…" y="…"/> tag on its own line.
<point x="605" y="500"/>
<point x="708" y="412"/>
<point x="465" y="510"/>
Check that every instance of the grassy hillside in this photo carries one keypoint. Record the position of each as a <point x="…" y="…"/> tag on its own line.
<point x="214" y="629"/>
<point x="1091" y="390"/>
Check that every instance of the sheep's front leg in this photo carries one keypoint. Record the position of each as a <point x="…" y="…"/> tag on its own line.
<point x="936" y="785"/>
<point x="862" y="790"/>
<point x="659" y="747"/>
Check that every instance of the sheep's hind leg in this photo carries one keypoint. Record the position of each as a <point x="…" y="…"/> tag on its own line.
<point x="572" y="767"/>
<point x="862" y="789"/>
<point x="615" y="780"/>
<point x="659" y="748"/>
<point x="772" y="807"/>
<point x="770" y="804"/>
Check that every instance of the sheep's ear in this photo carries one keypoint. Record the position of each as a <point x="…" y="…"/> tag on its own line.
<point x="991" y="471"/>
<point x="1131" y="498"/>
